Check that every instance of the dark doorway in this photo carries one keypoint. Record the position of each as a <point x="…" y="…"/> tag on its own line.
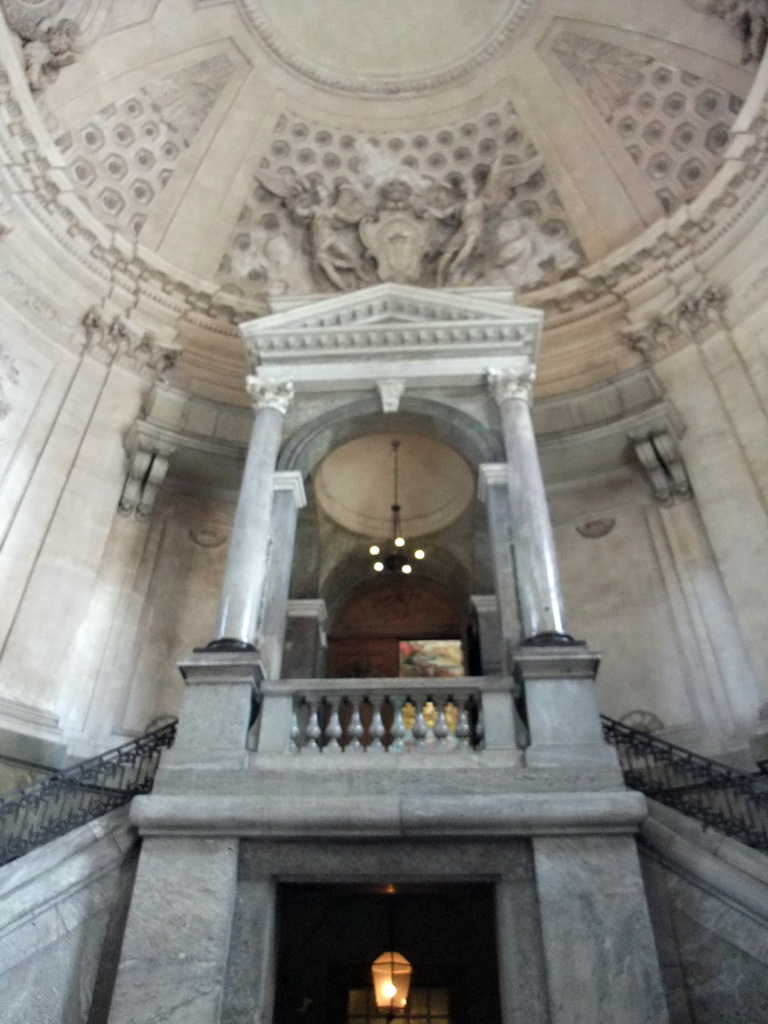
<point x="328" y="936"/>
<point x="366" y="632"/>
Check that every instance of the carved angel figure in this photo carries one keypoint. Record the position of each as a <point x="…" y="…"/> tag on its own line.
<point x="54" y="46"/>
<point x="326" y="214"/>
<point x="474" y="212"/>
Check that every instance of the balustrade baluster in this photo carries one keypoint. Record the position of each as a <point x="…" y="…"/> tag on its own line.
<point x="462" y="726"/>
<point x="420" y="730"/>
<point x="399" y="731"/>
<point x="479" y="724"/>
<point x="378" y="730"/>
<point x="294" y="747"/>
<point x="333" y="730"/>
<point x="356" y="730"/>
<point x="314" y="732"/>
<point x="441" y="730"/>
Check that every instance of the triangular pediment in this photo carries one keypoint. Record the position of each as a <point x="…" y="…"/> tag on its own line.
<point x="393" y="305"/>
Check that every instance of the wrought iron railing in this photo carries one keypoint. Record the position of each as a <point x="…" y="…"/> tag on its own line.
<point x="718" y="796"/>
<point x="51" y="807"/>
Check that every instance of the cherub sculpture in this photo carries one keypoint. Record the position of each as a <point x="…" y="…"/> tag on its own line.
<point x="325" y="215"/>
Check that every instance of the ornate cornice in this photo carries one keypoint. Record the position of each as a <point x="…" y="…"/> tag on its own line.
<point x="691" y="320"/>
<point x="280" y="47"/>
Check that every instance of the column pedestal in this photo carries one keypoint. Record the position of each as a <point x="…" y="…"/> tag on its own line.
<point x="217" y="709"/>
<point x="561" y="707"/>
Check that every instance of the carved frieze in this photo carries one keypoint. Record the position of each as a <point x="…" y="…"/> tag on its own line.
<point x="691" y="320"/>
<point x="118" y="339"/>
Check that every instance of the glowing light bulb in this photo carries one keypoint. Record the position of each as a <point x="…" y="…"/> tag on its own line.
<point x="389" y="990"/>
<point x="374" y="549"/>
<point x="399" y="542"/>
<point x="406" y="569"/>
<point x="378" y="566"/>
<point x="418" y="553"/>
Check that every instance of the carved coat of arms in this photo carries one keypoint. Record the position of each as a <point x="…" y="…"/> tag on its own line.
<point x="396" y="237"/>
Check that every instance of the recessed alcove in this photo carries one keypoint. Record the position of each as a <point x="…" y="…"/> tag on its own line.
<point x="328" y="936"/>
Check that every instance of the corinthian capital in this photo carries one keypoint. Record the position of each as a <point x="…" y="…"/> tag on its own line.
<point x="269" y="394"/>
<point x="506" y="384"/>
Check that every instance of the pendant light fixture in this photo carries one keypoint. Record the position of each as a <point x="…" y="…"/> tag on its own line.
<point x="391" y="973"/>
<point x="391" y="555"/>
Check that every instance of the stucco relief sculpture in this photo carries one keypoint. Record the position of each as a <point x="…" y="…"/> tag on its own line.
<point x="412" y="229"/>
<point x="47" y="48"/>
<point x="748" y="17"/>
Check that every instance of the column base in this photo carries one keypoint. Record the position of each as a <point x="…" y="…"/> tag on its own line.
<point x="227" y="643"/>
<point x="552" y="640"/>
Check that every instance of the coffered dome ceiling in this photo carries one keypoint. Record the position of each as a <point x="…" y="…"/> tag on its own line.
<point x="290" y="147"/>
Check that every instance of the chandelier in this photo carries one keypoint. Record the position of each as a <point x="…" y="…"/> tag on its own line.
<point x="391" y="555"/>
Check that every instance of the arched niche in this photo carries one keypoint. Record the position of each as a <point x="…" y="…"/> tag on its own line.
<point x="313" y="441"/>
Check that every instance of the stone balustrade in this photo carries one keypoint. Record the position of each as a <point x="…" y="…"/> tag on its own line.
<point x="386" y="716"/>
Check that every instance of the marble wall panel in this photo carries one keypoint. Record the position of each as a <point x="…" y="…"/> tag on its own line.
<point x="617" y="600"/>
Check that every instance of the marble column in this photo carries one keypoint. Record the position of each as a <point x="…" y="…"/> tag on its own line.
<point x="245" y="575"/>
<point x="288" y="497"/>
<point x="538" y="584"/>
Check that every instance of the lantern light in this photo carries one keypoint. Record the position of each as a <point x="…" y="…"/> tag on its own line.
<point x="374" y="549"/>
<point x="391" y="974"/>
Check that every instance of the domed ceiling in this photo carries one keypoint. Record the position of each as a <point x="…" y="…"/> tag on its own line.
<point x="293" y="147"/>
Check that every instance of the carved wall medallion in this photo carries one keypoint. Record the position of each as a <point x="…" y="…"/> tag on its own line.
<point x="594" y="529"/>
<point x="398" y="241"/>
<point x="645" y="721"/>
<point x="205" y="537"/>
